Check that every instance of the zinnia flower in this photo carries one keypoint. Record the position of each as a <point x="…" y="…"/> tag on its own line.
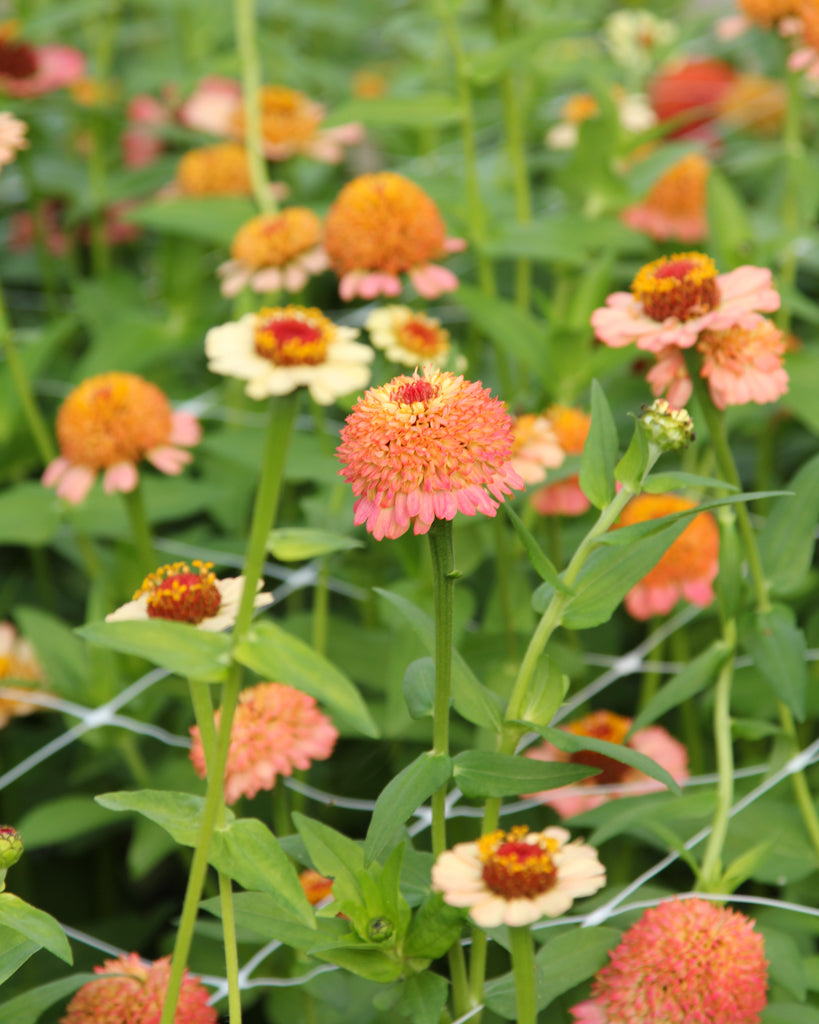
<point x="805" y="28"/>
<point x="382" y="225"/>
<point x="217" y="170"/>
<point x="675" y="205"/>
<point x="316" y="886"/>
<point x="766" y="13"/>
<point x="27" y="70"/>
<point x="273" y="251"/>
<point x="693" y="89"/>
<point x="674" y="298"/>
<point x="635" y="37"/>
<point x="683" y="961"/>
<point x="755" y="103"/>
<point x="564" y="497"/>
<point x="276" y="728"/>
<point x="280" y="349"/>
<point x="423" y="448"/>
<point x="517" y="877"/>
<point x="110" y="422"/>
<point x="535" y="448"/>
<point x="12" y="137"/>
<point x="740" y="365"/>
<point x="141" y="142"/>
<point x="408" y="337"/>
<point x="18" y="663"/>
<point x="654" y="741"/>
<point x="212" y="105"/>
<point x="129" y="991"/>
<point x="687" y="569"/>
<point x="183" y="593"/>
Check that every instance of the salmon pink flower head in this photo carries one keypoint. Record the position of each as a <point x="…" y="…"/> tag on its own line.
<point x="408" y="337"/>
<point x="675" y="204"/>
<point x="535" y="448"/>
<point x="676" y="297"/>
<point x="687" y="569"/>
<point x="12" y="137"/>
<point x="111" y="422"/>
<point x="740" y="365"/>
<point x="283" y="348"/>
<point x="517" y="877"/>
<point x="565" y="497"/>
<point x="188" y="593"/>
<point x="276" y="728"/>
<point x="424" y="447"/>
<point x="383" y="225"/>
<point x="18" y="665"/>
<point x="274" y="251"/>
<point x="683" y="961"/>
<point x="27" y="70"/>
<point x="654" y="741"/>
<point x="129" y="989"/>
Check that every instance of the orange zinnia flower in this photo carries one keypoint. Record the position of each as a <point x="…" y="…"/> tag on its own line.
<point x="675" y="205"/>
<point x="564" y="497"/>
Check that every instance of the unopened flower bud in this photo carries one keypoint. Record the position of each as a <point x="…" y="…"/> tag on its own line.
<point x="379" y="929"/>
<point x="668" y="428"/>
<point x="11" y="846"/>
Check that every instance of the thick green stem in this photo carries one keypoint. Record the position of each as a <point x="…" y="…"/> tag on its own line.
<point x="794" y="151"/>
<point x="443" y="584"/>
<point x="523" y="964"/>
<point x="244" y="15"/>
<point x="141" y="529"/>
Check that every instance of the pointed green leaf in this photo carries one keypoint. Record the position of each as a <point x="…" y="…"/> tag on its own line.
<point x="482" y="773"/>
<point x="426" y="110"/>
<point x="419" y="687"/>
<point x="540" y="563"/>
<point x="176" y="646"/>
<point x="686" y="684"/>
<point x="730" y="235"/>
<point x="424" y="997"/>
<point x="263" y="915"/>
<point x="434" y="929"/>
<point x="631" y="468"/>
<point x="35" y="924"/>
<point x="15" y="949"/>
<point x="788" y="538"/>
<point x="777" y="646"/>
<point x="180" y="814"/>
<point x="212" y="219"/>
<point x="297" y="543"/>
<point x="659" y="483"/>
<point x="30" y="1006"/>
<point x="334" y="855"/>
<point x="600" y="451"/>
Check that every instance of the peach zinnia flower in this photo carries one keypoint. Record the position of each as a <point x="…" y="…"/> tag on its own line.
<point x="535" y="448"/>
<point x="18" y="664"/>
<point x="212" y="105"/>
<point x="654" y="741"/>
<point x="128" y="989"/>
<point x="673" y="298"/>
<point x="276" y="728"/>
<point x="110" y="422"/>
<point x="423" y="448"/>
<point x="517" y="877"/>
<point x="564" y="497"/>
<point x="740" y="365"/>
<point x="408" y="337"/>
<point x="273" y="251"/>
<point x="27" y="70"/>
<point x="12" y="137"/>
<point x="687" y="569"/>
<point x="280" y="349"/>
<point x="383" y="225"/>
<point x="183" y="593"/>
<point x="683" y="961"/>
<point x="675" y="205"/>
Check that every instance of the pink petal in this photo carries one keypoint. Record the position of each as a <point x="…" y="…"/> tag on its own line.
<point x="123" y="477"/>
<point x="431" y="280"/>
<point x="54" y="471"/>
<point x="185" y="429"/>
<point x="75" y="484"/>
<point x="267" y="280"/>
<point x="168" y="459"/>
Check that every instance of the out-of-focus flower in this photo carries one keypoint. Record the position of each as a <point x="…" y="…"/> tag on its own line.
<point x="423" y="448"/>
<point x="212" y="105"/>
<point x="683" y="961"/>
<point x="670" y="429"/>
<point x="369" y="84"/>
<point x="676" y="203"/>
<point x="276" y="728"/>
<point x="316" y="886"/>
<point x="636" y="37"/>
<point x="383" y="225"/>
<point x="766" y="13"/>
<point x="18" y="663"/>
<point x="27" y="70"/>
<point x="687" y="569"/>
<point x="741" y="366"/>
<point x="184" y="593"/>
<point x="128" y="989"/>
<point x="676" y="297"/>
<point x="12" y="137"/>
<point x="274" y="251"/>
<point x="110" y="423"/>
<point x="535" y="448"/>
<point x="141" y="143"/>
<point x="23" y="234"/>
<point x="692" y="89"/>
<point x="280" y="349"/>
<point x="754" y="103"/>
<point x="565" y="498"/>
<point x="217" y="170"/>
<point x="91" y="92"/>
<point x="634" y="114"/>
<point x="654" y="741"/>
<point x="804" y="27"/>
<point x="517" y="877"/>
<point x="407" y="336"/>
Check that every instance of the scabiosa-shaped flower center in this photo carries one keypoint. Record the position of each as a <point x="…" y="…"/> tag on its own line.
<point x="181" y="593"/>
<point x="675" y="205"/>
<point x="423" y="448"/>
<point x="682" y="286"/>
<point x="513" y="867"/>
<point x="293" y="336"/>
<point x="683" y="961"/>
<point x="217" y="170"/>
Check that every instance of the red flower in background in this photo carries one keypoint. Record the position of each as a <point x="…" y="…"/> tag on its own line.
<point x="692" y="91"/>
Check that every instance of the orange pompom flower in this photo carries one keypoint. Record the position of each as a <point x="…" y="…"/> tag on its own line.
<point x="217" y="170"/>
<point x="675" y="205"/>
<point x="110" y="423"/>
<point x="423" y="448"/>
<point x="383" y="225"/>
<point x="276" y="728"/>
<point x="564" y="497"/>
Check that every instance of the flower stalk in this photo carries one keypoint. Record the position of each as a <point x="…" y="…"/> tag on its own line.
<point x="244" y="13"/>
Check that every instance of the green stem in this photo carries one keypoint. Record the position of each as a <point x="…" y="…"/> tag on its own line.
<point x="244" y="15"/>
<point x="321" y="607"/>
<point x="523" y="964"/>
<point x="801" y="790"/>
<point x="503" y="568"/>
<point x="650" y="682"/>
<point x="282" y="824"/>
<point x="443" y="585"/>
<point x="140" y="529"/>
<point x="794" y="150"/>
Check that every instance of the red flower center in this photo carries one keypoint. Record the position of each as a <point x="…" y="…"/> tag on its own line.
<point x="17" y="60"/>
<point x="416" y="390"/>
<point x="422" y="336"/>
<point x="515" y="869"/>
<point x="292" y="336"/>
<point x="681" y="286"/>
<point x="176" y="592"/>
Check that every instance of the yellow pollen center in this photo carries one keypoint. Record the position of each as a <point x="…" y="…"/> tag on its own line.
<point x="218" y="170"/>
<point x="682" y="286"/>
<point x="422" y="335"/>
<point x="293" y="336"/>
<point x="601" y="725"/>
<point x="515" y="869"/>
<point x="181" y="593"/>
<point x="274" y="239"/>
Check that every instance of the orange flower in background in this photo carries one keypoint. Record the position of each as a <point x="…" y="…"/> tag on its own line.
<point x="316" y="887"/>
<point x="276" y="728"/>
<point x="675" y="206"/>
<point x="18" y="664"/>
<point x="686" y="570"/>
<point x="766" y="13"/>
<point x="564" y="497"/>
<point x="217" y="170"/>
<point x="424" y="448"/>
<point x="804" y="28"/>
<point x="755" y="103"/>
<point x="654" y="741"/>
<point x="111" y="422"/>
<point x="131" y="991"/>
<point x="535" y="448"/>
<point x="369" y="84"/>
<point x="383" y="225"/>
<point x="27" y="70"/>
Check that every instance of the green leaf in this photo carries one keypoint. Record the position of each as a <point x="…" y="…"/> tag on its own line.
<point x="434" y="929"/>
<point x="29" y="515"/>
<point x="250" y="854"/>
<point x="784" y="962"/>
<point x="659" y="483"/>
<point x="545" y="693"/>
<point x="176" y="646"/>
<point x="428" y="110"/>
<point x="275" y="654"/>
<point x="472" y="700"/>
<point x="730" y="236"/>
<point x="742" y="868"/>
<point x="262" y="914"/>
<point x="482" y="773"/>
<point x="788" y="538"/>
<point x="60" y="820"/>
<point x="215" y="220"/>
<point x="572" y="744"/>
<point x="515" y="332"/>
<point x="803" y="371"/>
<point x="424" y="997"/>
<point x="631" y="468"/>
<point x="540" y="563"/>
<point x="334" y="855"/>
<point x="30" y="1006"/>
<point x="298" y="543"/>
<point x="419" y="687"/>
<point x="63" y="655"/>
<point x="686" y="684"/>
<point x="600" y="451"/>
<point x="366" y="962"/>
<point x="401" y="797"/>
<point x="777" y="646"/>
<point x="180" y="814"/>
<point x="35" y="924"/>
<point x="15" y="949"/>
<point x="790" y="1013"/>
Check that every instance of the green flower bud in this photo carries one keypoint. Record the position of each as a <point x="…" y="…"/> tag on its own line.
<point x="379" y="929"/>
<point x="668" y="428"/>
<point x="11" y="846"/>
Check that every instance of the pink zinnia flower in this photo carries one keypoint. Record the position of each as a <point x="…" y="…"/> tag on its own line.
<point x="111" y="422"/>
<point x="535" y="448"/>
<point x="27" y="70"/>
<point x="212" y="104"/>
<point x="675" y="205"/>
<point x="517" y="877"/>
<point x="684" y="961"/>
<point x="423" y="448"/>
<point x="141" y="143"/>
<point x="654" y="741"/>
<point x="674" y="298"/>
<point x="129" y="991"/>
<point x="276" y="728"/>
<point x="564" y="497"/>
